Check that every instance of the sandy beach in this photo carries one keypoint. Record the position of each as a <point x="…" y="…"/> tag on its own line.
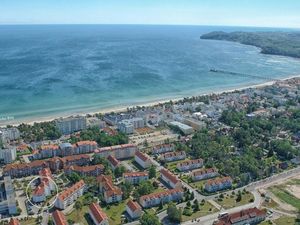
<point x="123" y="108"/>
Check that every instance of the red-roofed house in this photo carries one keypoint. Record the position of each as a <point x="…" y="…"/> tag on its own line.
<point x="110" y="192"/>
<point x="190" y="165"/>
<point x="248" y="216"/>
<point x="45" y="186"/>
<point x="69" y="195"/>
<point x="114" y="163"/>
<point x="118" y="151"/>
<point x="94" y="170"/>
<point x="170" y="179"/>
<point x="83" y="147"/>
<point x="14" y="221"/>
<point x="97" y="215"/>
<point x="133" y="209"/>
<point x="203" y="174"/>
<point x="155" y="199"/>
<point x="173" y="156"/>
<point x="218" y="184"/>
<point x="142" y="159"/>
<point x="158" y="149"/>
<point x="59" y="218"/>
<point x="135" y="177"/>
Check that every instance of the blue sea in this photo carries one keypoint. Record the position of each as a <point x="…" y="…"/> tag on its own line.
<point x="52" y="70"/>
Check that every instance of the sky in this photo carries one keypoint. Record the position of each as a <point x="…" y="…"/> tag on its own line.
<point x="262" y="13"/>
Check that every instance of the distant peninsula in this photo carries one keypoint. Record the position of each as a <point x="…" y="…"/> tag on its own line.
<point x="274" y="43"/>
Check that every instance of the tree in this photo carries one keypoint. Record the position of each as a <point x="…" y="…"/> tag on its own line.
<point x="78" y="207"/>
<point x="152" y="172"/>
<point x="74" y="177"/>
<point x="196" y="205"/>
<point x="126" y="189"/>
<point x="149" y="219"/>
<point x="119" y="171"/>
<point x="144" y="188"/>
<point x="174" y="214"/>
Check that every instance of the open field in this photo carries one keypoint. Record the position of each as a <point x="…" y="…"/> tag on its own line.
<point x="285" y="196"/>
<point x="229" y="201"/>
<point x="282" y="221"/>
<point x="114" y="212"/>
<point x="205" y="209"/>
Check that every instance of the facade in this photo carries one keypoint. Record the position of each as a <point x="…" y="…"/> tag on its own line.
<point x="203" y="174"/>
<point x="7" y="197"/>
<point x="24" y="169"/>
<point x="190" y="165"/>
<point x="170" y="179"/>
<point x="133" y="209"/>
<point x="94" y="170"/>
<point x="69" y="195"/>
<point x="135" y="177"/>
<point x="8" y="155"/>
<point x="128" y="126"/>
<point x="118" y="151"/>
<point x="183" y="127"/>
<point x="9" y="134"/>
<point x="154" y="199"/>
<point x="59" y="218"/>
<point x="142" y="159"/>
<point x="218" y="184"/>
<point x="110" y="192"/>
<point x="114" y="163"/>
<point x="71" y="124"/>
<point x="159" y="149"/>
<point x="173" y="156"/>
<point x="97" y="215"/>
<point x="14" y="221"/>
<point x="248" y="216"/>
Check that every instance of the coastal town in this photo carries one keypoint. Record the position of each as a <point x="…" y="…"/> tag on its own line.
<point x="223" y="159"/>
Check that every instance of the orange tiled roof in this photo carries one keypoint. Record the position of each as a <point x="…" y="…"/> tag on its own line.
<point x="97" y="212"/>
<point x="161" y="194"/>
<point x="69" y="191"/>
<point x="59" y="218"/>
<point x="190" y="162"/>
<point x="14" y="221"/>
<point x="133" y="205"/>
<point x="135" y="174"/>
<point x="142" y="156"/>
<point x="170" y="176"/>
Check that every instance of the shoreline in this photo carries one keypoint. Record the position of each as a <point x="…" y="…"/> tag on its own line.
<point x="118" y="109"/>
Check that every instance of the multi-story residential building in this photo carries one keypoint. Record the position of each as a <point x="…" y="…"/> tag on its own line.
<point x="94" y="170"/>
<point x="83" y="147"/>
<point x="248" y="216"/>
<point x="203" y="174"/>
<point x="114" y="163"/>
<point x="47" y="151"/>
<point x="128" y="126"/>
<point x="9" y="134"/>
<point x="110" y="192"/>
<point x="163" y="148"/>
<point x="59" y="218"/>
<point x="8" y="155"/>
<point x="118" y="151"/>
<point x="97" y="215"/>
<point x="135" y="177"/>
<point x="170" y="179"/>
<point x="71" y="124"/>
<point x="69" y="195"/>
<point x="133" y="209"/>
<point x="173" y="156"/>
<point x="190" y="165"/>
<point x="45" y="187"/>
<point x="142" y="159"/>
<point x="78" y="160"/>
<point x="66" y="149"/>
<point x="24" y="169"/>
<point x="155" y="199"/>
<point x="218" y="184"/>
<point x="183" y="127"/>
<point x="7" y="197"/>
<point x="14" y="221"/>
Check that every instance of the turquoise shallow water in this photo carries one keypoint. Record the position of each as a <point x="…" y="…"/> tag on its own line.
<point x="53" y="70"/>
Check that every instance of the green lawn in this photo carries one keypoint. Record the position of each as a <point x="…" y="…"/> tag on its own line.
<point x="229" y="200"/>
<point x="205" y="209"/>
<point x="282" y="221"/>
<point x="285" y="196"/>
<point x="30" y="221"/>
<point x="114" y="212"/>
<point x="172" y="165"/>
<point x="79" y="216"/>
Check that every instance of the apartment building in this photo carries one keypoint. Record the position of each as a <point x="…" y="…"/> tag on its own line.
<point x="204" y="174"/>
<point x="142" y="159"/>
<point x="7" y="197"/>
<point x="190" y="165"/>
<point x="94" y="170"/>
<point x="113" y="162"/>
<point x="163" y="148"/>
<point x="45" y="187"/>
<point x="170" y="179"/>
<point x="133" y="209"/>
<point x="97" y="215"/>
<point x="173" y="156"/>
<point x="71" y="124"/>
<point x="69" y="195"/>
<point x="8" y="155"/>
<point x="59" y="218"/>
<point x="118" y="151"/>
<point x="9" y="134"/>
<point x="218" y="184"/>
<point x="135" y="177"/>
<point x="110" y="192"/>
<point x="154" y="199"/>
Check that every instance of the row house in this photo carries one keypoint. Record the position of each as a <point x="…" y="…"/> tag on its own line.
<point x="142" y="159"/>
<point x="118" y="151"/>
<point x="190" y="165"/>
<point x="69" y="195"/>
<point x="204" y="174"/>
<point x="97" y="215"/>
<point x="135" y="177"/>
<point x="163" y="148"/>
<point x="59" y="218"/>
<point x="84" y="147"/>
<point x="218" y="184"/>
<point x="94" y="170"/>
<point x="45" y="187"/>
<point x="113" y="162"/>
<point x="170" y="179"/>
<point x="173" y="156"/>
<point x="110" y="192"/>
<point x="154" y="199"/>
<point x="247" y="216"/>
<point x="133" y="209"/>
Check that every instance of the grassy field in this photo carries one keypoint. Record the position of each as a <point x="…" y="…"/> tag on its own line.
<point x="114" y="212"/>
<point x="205" y="209"/>
<point x="229" y="201"/>
<point x="282" y="221"/>
<point x="172" y="165"/>
<point x="80" y="216"/>
<point x="28" y="222"/>
<point x="285" y="196"/>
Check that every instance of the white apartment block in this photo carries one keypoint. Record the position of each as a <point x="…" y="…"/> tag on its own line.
<point x="173" y="156"/>
<point x="71" y="124"/>
<point x="190" y="165"/>
<point x="135" y="177"/>
<point x="204" y="174"/>
<point x="8" y="155"/>
<point x="142" y="159"/>
<point x="170" y="179"/>
<point x="118" y="151"/>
